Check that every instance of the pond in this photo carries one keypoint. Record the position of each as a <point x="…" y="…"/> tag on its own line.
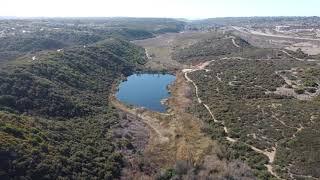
<point x="145" y="90"/>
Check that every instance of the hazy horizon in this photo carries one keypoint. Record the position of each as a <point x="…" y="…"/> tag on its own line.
<point x="190" y="19"/>
<point x="188" y="9"/>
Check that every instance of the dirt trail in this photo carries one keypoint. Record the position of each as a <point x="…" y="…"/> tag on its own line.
<point x="234" y="43"/>
<point x="147" y="54"/>
<point x="298" y="59"/>
<point x="178" y="135"/>
<point x="269" y="154"/>
<point x="152" y="123"/>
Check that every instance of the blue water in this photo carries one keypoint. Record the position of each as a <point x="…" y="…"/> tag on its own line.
<point x="145" y="90"/>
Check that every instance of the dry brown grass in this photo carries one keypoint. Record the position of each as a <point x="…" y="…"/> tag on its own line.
<point x="160" y="48"/>
<point x="175" y="136"/>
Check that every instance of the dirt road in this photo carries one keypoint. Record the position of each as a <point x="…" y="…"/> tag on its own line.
<point x="248" y="31"/>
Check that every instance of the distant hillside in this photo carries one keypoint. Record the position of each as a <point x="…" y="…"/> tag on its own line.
<point x="252" y="21"/>
<point x="218" y="45"/>
<point x="21" y="36"/>
<point x="154" y="25"/>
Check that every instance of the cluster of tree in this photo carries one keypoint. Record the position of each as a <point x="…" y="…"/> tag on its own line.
<point x="188" y="170"/>
<point x="37" y="148"/>
<point x="55" y="120"/>
<point x="62" y="83"/>
<point x="239" y="92"/>
<point x="22" y="36"/>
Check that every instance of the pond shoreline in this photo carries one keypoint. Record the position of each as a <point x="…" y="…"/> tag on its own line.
<point x="146" y="90"/>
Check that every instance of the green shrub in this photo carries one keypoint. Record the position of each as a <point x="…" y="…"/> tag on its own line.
<point x="299" y="90"/>
<point x="16" y="132"/>
<point x="310" y="83"/>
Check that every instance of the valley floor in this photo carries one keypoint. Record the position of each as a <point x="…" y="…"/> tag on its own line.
<point x="177" y="136"/>
<point x="185" y="135"/>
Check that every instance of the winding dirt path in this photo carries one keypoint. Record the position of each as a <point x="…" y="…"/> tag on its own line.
<point x="147" y="54"/>
<point x="234" y="43"/>
<point x="269" y="154"/>
<point x="298" y="59"/>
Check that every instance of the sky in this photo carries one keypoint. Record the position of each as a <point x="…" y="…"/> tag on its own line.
<point x="190" y="9"/>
